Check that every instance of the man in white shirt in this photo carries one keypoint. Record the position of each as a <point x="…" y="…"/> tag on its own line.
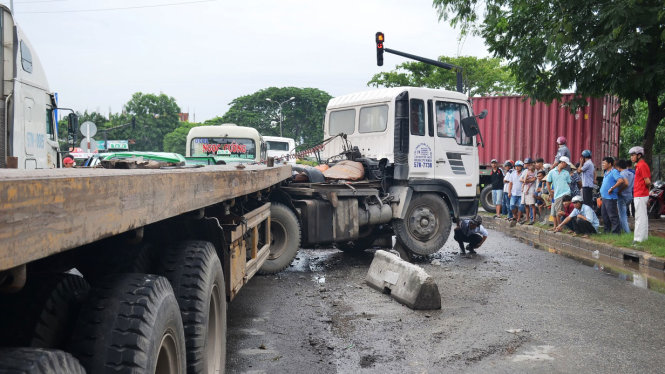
<point x="583" y="219"/>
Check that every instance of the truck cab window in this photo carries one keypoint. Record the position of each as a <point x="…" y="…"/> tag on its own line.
<point x="448" y="125"/>
<point x="50" y="126"/>
<point x="373" y="119"/>
<point x="342" y="121"/>
<point x="26" y="57"/>
<point x="277" y="146"/>
<point x="417" y="117"/>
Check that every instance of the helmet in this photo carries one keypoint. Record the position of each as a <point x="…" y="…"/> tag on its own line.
<point x="528" y="160"/>
<point x="493" y="161"/>
<point x="636" y="150"/>
<point x="586" y="153"/>
<point x="561" y="140"/>
<point x="67" y="160"/>
<point x="547" y="166"/>
<point x="577" y="198"/>
<point x="477" y="220"/>
<point x="508" y="163"/>
<point x="519" y="163"/>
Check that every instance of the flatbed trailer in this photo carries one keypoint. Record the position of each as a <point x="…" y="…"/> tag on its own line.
<point x="77" y="242"/>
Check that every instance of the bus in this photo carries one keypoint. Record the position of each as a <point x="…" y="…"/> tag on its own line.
<point x="228" y="142"/>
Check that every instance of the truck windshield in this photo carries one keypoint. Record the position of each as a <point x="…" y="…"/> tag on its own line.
<point x="277" y="146"/>
<point x="238" y="148"/>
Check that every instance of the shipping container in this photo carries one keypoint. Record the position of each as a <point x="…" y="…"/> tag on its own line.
<point x="515" y="129"/>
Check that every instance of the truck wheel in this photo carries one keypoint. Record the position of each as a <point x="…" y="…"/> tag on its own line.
<point x="426" y="226"/>
<point x="130" y="322"/>
<point x="285" y="239"/>
<point x="486" y="199"/>
<point x="196" y="274"/>
<point x="43" y="314"/>
<point x="38" y="361"/>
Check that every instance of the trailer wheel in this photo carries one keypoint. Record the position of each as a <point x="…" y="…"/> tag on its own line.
<point x="285" y="236"/>
<point x="196" y="274"/>
<point x="130" y="323"/>
<point x="38" y="361"/>
<point x="426" y="226"/>
<point x="43" y="313"/>
<point x="486" y="199"/>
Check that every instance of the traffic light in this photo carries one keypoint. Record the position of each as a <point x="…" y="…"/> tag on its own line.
<point x="379" y="48"/>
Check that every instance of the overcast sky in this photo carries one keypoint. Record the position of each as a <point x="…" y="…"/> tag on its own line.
<point x="206" y="53"/>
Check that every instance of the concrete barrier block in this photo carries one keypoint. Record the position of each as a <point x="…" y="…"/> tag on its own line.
<point x="405" y="282"/>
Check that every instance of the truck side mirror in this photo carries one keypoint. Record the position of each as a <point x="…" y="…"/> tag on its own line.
<point x="73" y="122"/>
<point x="470" y="126"/>
<point x="483" y="114"/>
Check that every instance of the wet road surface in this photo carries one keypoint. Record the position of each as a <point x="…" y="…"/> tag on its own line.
<point x="509" y="309"/>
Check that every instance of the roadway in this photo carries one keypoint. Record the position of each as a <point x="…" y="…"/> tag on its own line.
<point x="509" y="309"/>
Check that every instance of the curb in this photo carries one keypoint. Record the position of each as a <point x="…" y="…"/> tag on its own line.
<point x="580" y="247"/>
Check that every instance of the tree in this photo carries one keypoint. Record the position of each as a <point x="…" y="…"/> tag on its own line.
<point x="302" y="117"/>
<point x="482" y="76"/>
<point x="595" y="47"/>
<point x="633" y="120"/>
<point x="155" y="116"/>
<point x="176" y="140"/>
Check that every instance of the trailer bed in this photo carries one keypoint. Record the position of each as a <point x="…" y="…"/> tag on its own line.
<point x="43" y="212"/>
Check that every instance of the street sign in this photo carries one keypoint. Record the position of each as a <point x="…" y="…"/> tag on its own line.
<point x="88" y="129"/>
<point x="120" y="145"/>
<point x="89" y="146"/>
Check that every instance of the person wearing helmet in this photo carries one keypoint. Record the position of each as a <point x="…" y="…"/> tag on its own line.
<point x="505" y="202"/>
<point x="582" y="219"/>
<point x="609" y="192"/>
<point x="470" y="231"/>
<point x="587" y="170"/>
<point x="496" y="178"/>
<point x="558" y="185"/>
<point x="641" y="185"/>
<point x="561" y="151"/>
<point x="515" y="193"/>
<point x="68" y="162"/>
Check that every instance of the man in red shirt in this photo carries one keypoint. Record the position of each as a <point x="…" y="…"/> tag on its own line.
<point x="640" y="194"/>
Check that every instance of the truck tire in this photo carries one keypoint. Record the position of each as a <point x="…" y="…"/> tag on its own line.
<point x="130" y="323"/>
<point x="426" y="225"/>
<point x="486" y="199"/>
<point x="43" y="313"/>
<point x="197" y="278"/>
<point x="285" y="239"/>
<point x="38" y="361"/>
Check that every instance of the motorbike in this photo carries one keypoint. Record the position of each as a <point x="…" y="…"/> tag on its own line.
<point x="656" y="202"/>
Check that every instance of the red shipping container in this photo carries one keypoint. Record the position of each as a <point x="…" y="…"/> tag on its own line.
<point x="515" y="129"/>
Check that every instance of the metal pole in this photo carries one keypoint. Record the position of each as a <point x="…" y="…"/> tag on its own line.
<point x="280" y="119"/>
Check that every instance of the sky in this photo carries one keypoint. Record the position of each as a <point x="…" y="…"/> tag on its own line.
<point x="205" y="53"/>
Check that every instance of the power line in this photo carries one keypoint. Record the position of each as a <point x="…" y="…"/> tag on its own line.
<point x="120" y="8"/>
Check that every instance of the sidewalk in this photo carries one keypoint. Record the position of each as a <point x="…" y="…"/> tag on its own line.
<point x="583" y="248"/>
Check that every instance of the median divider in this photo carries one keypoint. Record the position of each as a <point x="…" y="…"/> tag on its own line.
<point x="405" y="282"/>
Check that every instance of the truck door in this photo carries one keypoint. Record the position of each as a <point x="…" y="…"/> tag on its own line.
<point x="421" y="141"/>
<point x="455" y="153"/>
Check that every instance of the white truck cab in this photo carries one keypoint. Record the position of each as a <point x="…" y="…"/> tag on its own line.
<point x="232" y="143"/>
<point x="419" y="131"/>
<point x="28" y="136"/>
<point x="278" y="146"/>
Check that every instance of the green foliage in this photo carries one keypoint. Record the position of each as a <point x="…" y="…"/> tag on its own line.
<point x="633" y="122"/>
<point x="595" y="47"/>
<point x="482" y="76"/>
<point x="156" y="116"/>
<point x="307" y="162"/>
<point x="176" y="140"/>
<point x="302" y="117"/>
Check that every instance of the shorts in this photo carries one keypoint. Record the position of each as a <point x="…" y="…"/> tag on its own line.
<point x="497" y="197"/>
<point x="557" y="206"/>
<point x="515" y="202"/>
<point x="528" y="199"/>
<point x="546" y="199"/>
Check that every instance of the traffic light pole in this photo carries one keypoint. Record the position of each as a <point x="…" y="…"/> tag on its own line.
<point x="458" y="69"/>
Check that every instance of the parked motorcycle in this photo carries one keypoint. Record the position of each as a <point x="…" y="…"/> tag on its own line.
<point x="656" y="203"/>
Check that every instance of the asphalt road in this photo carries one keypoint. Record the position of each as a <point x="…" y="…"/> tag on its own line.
<point x="509" y="309"/>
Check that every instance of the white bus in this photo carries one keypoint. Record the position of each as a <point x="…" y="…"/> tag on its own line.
<point x="230" y="142"/>
<point x="278" y="146"/>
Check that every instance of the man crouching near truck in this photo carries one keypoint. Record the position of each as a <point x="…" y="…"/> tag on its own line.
<point x="470" y="231"/>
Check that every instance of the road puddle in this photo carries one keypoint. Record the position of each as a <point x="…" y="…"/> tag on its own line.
<point x="627" y="269"/>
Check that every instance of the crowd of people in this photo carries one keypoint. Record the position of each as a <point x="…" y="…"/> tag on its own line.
<point x="562" y="193"/>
